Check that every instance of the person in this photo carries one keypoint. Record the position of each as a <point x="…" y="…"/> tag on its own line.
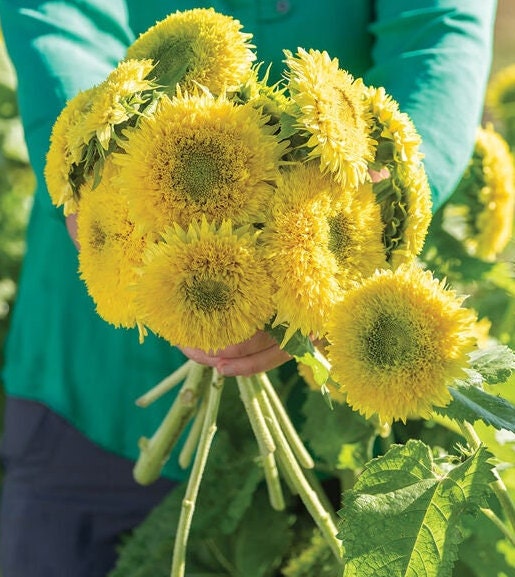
<point x="71" y="425"/>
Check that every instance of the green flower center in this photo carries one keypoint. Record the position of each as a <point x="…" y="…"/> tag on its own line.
<point x="173" y="58"/>
<point x="339" y="237"/>
<point x="201" y="172"/>
<point x="209" y="295"/>
<point x="390" y="342"/>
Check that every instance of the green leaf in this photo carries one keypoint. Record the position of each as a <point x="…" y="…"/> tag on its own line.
<point x="480" y="554"/>
<point x="472" y="404"/>
<point x="328" y="432"/>
<point x="302" y="349"/>
<point x="262" y="539"/>
<point x="495" y="364"/>
<point x="403" y="517"/>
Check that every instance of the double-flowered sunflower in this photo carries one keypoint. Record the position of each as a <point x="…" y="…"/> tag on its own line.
<point x="198" y="46"/>
<point x="332" y="113"/>
<point x="207" y="287"/>
<point x="66" y="152"/>
<point x="84" y="132"/>
<point x="319" y="237"/>
<point x="197" y="156"/>
<point x="111" y="250"/>
<point x="480" y="212"/>
<point x="397" y="341"/>
<point x="404" y="195"/>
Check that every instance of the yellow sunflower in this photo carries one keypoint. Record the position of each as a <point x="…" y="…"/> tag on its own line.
<point x="397" y="341"/>
<point x="198" y="46"/>
<point x="405" y="199"/>
<point x="397" y="138"/>
<point x="332" y="111"/>
<point x="111" y="250"/>
<point x="205" y="288"/>
<point x="199" y="155"/>
<point x="500" y="100"/>
<point x="319" y="237"/>
<point x="120" y="97"/>
<point x="62" y="170"/>
<point x="480" y="212"/>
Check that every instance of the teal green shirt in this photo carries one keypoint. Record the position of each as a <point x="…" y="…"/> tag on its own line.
<point x="433" y="56"/>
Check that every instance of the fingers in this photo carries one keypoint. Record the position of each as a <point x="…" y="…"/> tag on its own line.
<point x="258" y="362"/>
<point x="258" y="354"/>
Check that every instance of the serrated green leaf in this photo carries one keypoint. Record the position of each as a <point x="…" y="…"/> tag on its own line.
<point x="472" y="404"/>
<point x="495" y="364"/>
<point x="402" y="518"/>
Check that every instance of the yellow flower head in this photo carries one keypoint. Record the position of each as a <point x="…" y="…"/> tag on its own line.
<point x="199" y="155"/>
<point x="332" y="111"/>
<point x="65" y="153"/>
<point x="118" y="99"/>
<point x="397" y="341"/>
<point x="205" y="288"/>
<point x="111" y="250"/>
<point x="318" y="234"/>
<point x="198" y="46"/>
<point x="500" y="95"/>
<point x="398" y="141"/>
<point x="483" y="205"/>
<point x="406" y="204"/>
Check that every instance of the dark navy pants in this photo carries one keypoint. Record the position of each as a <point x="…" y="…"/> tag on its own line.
<point x="65" y="501"/>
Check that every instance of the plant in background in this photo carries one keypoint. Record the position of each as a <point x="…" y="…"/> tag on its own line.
<point x="212" y="205"/>
<point x="16" y="186"/>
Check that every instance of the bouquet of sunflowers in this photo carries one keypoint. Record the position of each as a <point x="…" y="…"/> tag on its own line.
<point x="212" y="204"/>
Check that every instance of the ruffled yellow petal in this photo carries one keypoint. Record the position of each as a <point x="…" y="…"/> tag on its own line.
<point x="397" y="341"/>
<point x="320" y="237"/>
<point x="198" y="156"/>
<point x="111" y="250"/>
<point x="480" y="213"/>
<point x="198" y="46"/>
<point x="62" y="176"/>
<point x="206" y="288"/>
<point x="332" y="111"/>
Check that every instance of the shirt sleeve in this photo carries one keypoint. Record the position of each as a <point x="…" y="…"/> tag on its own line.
<point x="434" y="57"/>
<point x="59" y="48"/>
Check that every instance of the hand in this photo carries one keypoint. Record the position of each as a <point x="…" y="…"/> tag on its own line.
<point x="71" y="225"/>
<point x="259" y="354"/>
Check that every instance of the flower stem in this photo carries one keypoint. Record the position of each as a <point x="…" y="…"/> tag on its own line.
<point x="155" y="451"/>
<point x="498" y="486"/>
<point x="309" y="497"/>
<point x="165" y="385"/>
<point x="191" y="443"/>
<point x="264" y="440"/>
<point x="277" y="407"/>
<point x="510" y="535"/>
<point x="197" y="471"/>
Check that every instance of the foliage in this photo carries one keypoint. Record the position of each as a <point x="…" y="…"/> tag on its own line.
<point x="16" y="184"/>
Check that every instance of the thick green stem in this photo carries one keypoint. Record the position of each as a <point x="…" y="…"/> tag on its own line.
<point x="197" y="471"/>
<point x="264" y="440"/>
<point x="510" y="535"/>
<point x="165" y="385"/>
<point x="320" y="515"/>
<point x="154" y="452"/>
<point x="191" y="443"/>
<point x="277" y="407"/>
<point x="498" y="486"/>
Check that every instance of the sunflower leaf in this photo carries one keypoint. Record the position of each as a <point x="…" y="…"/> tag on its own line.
<point x="472" y="404"/>
<point x="495" y="364"/>
<point x="403" y="517"/>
